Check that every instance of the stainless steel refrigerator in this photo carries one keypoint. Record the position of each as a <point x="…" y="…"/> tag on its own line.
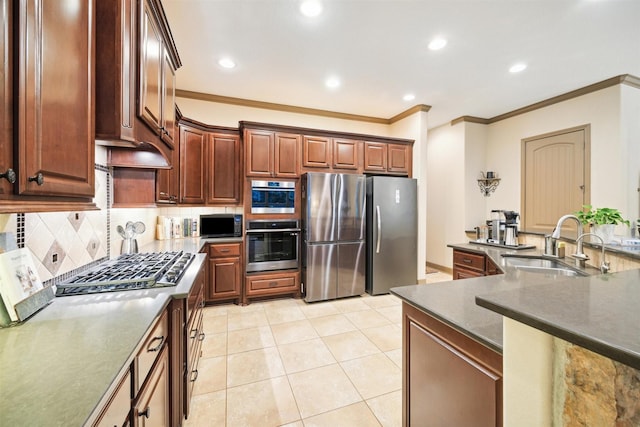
<point x="333" y="248"/>
<point x="392" y="233"/>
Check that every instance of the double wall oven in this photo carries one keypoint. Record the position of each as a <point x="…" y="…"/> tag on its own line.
<point x="272" y="245"/>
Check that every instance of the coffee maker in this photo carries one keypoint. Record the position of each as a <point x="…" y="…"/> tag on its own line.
<point x="510" y="228"/>
<point x="503" y="227"/>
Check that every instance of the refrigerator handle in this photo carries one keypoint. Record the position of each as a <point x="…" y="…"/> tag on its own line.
<point x="379" y="229"/>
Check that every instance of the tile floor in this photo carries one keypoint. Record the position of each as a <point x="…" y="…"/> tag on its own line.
<point x="288" y="363"/>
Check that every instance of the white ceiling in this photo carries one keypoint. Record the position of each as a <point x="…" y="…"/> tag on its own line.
<point x="378" y="48"/>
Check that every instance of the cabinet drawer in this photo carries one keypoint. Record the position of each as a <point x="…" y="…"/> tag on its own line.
<point x="118" y="408"/>
<point x="275" y="283"/>
<point x="218" y="250"/>
<point x="468" y="260"/>
<point x="150" y="350"/>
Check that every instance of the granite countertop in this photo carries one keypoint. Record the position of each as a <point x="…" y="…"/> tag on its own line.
<point x="599" y="313"/>
<point x="454" y="302"/>
<point x="59" y="366"/>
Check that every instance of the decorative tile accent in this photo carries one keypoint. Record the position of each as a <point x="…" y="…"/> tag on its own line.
<point x="20" y="230"/>
<point x="53" y="259"/>
<point x="93" y="246"/>
<point x="76" y="218"/>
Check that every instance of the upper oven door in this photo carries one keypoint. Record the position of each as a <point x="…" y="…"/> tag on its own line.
<point x="272" y="197"/>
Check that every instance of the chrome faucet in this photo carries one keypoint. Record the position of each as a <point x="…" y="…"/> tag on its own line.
<point x="556" y="234"/>
<point x="604" y="266"/>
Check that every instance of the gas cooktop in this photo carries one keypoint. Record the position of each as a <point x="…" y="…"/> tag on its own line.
<point x="129" y="272"/>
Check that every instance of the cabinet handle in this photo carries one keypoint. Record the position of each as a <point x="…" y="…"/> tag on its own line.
<point x="201" y="336"/>
<point x="273" y="284"/>
<point x="10" y="175"/>
<point x="194" y="377"/>
<point x="224" y="250"/>
<point x="146" y="413"/>
<point x="466" y="260"/>
<point x="158" y="347"/>
<point x="38" y="178"/>
<point x="194" y="333"/>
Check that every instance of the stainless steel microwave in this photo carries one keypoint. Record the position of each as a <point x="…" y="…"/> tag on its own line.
<point x="273" y="197"/>
<point x="220" y="225"/>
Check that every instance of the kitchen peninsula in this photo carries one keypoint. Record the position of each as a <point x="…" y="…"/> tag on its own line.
<point x="527" y="361"/>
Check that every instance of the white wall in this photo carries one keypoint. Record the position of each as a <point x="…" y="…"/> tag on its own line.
<point x="630" y="137"/>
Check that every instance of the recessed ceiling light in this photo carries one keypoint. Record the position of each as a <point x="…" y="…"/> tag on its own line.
<point x="226" y="63"/>
<point x="409" y="97"/>
<point x="311" y="8"/>
<point x="332" y="82"/>
<point x="437" y="43"/>
<point x="516" y="68"/>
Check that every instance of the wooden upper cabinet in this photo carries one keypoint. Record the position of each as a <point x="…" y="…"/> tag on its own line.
<point x="224" y="176"/>
<point x="54" y="90"/>
<point x="387" y="158"/>
<point x="193" y="144"/>
<point x="151" y="63"/>
<point x="168" y="121"/>
<point x="271" y="154"/>
<point x="6" y="101"/>
<point x="399" y="158"/>
<point x="286" y="155"/>
<point x="346" y="154"/>
<point x="375" y="157"/>
<point x="168" y="181"/>
<point x="316" y="151"/>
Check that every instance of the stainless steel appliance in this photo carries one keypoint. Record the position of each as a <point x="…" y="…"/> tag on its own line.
<point x="129" y="272"/>
<point x="272" y="245"/>
<point x="273" y="197"/>
<point x="392" y="224"/>
<point x="333" y="219"/>
<point x="220" y="225"/>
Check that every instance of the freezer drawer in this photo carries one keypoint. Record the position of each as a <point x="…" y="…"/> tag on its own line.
<point x="320" y="276"/>
<point x="351" y="269"/>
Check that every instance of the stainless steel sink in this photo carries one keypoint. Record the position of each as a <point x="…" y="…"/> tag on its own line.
<point x="541" y="265"/>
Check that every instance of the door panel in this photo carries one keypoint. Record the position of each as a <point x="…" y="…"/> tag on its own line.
<point x="350" y="204"/>
<point x="320" y="209"/>
<point x="554" y="177"/>
<point x="351" y="269"/>
<point x="321" y="277"/>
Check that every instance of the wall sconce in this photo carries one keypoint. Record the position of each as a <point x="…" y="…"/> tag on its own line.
<point x="488" y="182"/>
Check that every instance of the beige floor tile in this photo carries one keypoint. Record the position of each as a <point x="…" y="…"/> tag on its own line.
<point x="395" y="356"/>
<point x="207" y="410"/>
<point x="373" y="375"/>
<point x="356" y="415"/>
<point x="367" y="319"/>
<point x="388" y="409"/>
<point x="438" y="277"/>
<point x="245" y="320"/>
<point x="280" y="314"/>
<point x="211" y="375"/>
<point x="250" y="339"/>
<point x="319" y="309"/>
<point x="331" y="325"/>
<point x="267" y="403"/>
<point x="281" y="303"/>
<point x="304" y="355"/>
<point x="252" y="366"/>
<point x="216" y="310"/>
<point x="393" y="313"/>
<point x="294" y="424"/>
<point x="322" y="389"/>
<point x="214" y="324"/>
<point x="214" y="345"/>
<point x="350" y="345"/>
<point x="388" y="337"/>
<point x="380" y="301"/>
<point x="347" y="305"/>
<point x="286" y="333"/>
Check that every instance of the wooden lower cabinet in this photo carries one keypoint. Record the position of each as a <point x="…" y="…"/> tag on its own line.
<point x="472" y="264"/>
<point x="271" y="284"/>
<point x="151" y="408"/>
<point x="225" y="272"/>
<point x="119" y="407"/>
<point x="448" y="378"/>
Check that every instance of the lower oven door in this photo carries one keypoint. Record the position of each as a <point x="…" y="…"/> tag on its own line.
<point x="272" y="250"/>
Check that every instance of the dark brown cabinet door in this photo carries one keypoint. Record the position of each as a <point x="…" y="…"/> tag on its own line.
<point x="224" y="175"/>
<point x="259" y="155"/>
<point x="6" y="100"/>
<point x="151" y="62"/>
<point x="168" y="123"/>
<point x="152" y="406"/>
<point x="399" y="158"/>
<point x="225" y="277"/>
<point x="192" y="165"/>
<point x="168" y="181"/>
<point x="346" y="154"/>
<point x="316" y="152"/>
<point x="286" y="159"/>
<point x="55" y="98"/>
<point x="375" y="157"/>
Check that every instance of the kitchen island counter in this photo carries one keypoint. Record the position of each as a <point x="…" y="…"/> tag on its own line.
<point x="60" y="366"/>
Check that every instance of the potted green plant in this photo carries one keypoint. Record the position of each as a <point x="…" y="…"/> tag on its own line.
<point x="603" y="220"/>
